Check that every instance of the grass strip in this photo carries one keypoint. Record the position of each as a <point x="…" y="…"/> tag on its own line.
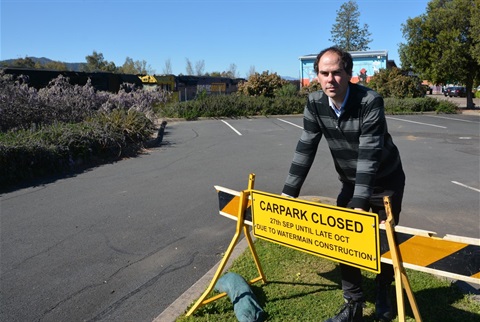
<point x="304" y="287"/>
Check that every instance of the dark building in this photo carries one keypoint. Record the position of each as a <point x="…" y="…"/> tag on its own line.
<point x="186" y="87"/>
<point x="101" y="81"/>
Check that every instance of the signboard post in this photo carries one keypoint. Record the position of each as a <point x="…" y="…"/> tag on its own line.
<point x="401" y="280"/>
<point x="343" y="235"/>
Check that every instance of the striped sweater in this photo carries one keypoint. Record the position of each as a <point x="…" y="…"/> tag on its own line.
<point x="362" y="149"/>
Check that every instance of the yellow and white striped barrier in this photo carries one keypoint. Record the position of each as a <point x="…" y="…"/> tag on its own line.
<point x="451" y="256"/>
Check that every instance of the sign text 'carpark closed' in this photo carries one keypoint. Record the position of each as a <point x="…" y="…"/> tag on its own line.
<point x="344" y="235"/>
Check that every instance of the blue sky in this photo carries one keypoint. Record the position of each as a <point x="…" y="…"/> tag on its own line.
<point x="268" y="35"/>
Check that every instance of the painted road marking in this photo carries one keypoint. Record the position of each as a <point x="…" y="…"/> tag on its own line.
<point x="427" y="124"/>
<point x="451" y="118"/>
<point x="465" y="186"/>
<point x="235" y="130"/>
<point x="300" y="127"/>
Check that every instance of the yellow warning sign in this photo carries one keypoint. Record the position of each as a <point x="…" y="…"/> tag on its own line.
<point x="344" y="235"/>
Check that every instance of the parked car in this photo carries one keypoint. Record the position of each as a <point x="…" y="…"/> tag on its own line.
<point x="445" y="90"/>
<point x="456" y="91"/>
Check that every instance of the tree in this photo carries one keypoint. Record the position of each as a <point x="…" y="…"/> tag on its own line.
<point x="189" y="68"/>
<point x="55" y="65"/>
<point x="26" y="62"/>
<point x="143" y="67"/>
<point x="96" y="63"/>
<point x="441" y="44"/>
<point x="346" y="32"/>
<point x="200" y="67"/>
<point x="232" y="71"/>
<point x="136" y="67"/>
<point x="128" y="66"/>
<point x="251" y="71"/>
<point x="476" y="31"/>
<point x="167" y="69"/>
<point x="214" y="74"/>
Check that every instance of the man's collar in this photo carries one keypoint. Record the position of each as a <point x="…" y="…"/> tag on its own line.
<point x="342" y="108"/>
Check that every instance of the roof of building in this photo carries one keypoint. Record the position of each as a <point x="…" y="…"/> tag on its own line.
<point x="355" y="54"/>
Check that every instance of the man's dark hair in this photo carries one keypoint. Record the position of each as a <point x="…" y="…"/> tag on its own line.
<point x="345" y="57"/>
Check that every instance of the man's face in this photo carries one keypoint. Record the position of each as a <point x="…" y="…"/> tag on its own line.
<point x="332" y="76"/>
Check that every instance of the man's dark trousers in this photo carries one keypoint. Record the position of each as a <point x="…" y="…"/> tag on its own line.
<point x="393" y="187"/>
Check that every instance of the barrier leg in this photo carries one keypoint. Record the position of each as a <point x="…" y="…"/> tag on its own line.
<point x="246" y="231"/>
<point x="262" y="277"/>
<point x="240" y="226"/>
<point x="401" y="278"/>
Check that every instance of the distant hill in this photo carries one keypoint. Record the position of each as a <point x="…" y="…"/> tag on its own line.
<point x="288" y="78"/>
<point x="74" y="67"/>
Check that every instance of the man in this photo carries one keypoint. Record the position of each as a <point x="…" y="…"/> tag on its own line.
<point x="352" y="120"/>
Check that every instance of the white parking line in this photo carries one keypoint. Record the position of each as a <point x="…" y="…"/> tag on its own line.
<point x="235" y="130"/>
<point x="465" y="186"/>
<point x="451" y="118"/>
<point x="428" y="124"/>
<point x="300" y="127"/>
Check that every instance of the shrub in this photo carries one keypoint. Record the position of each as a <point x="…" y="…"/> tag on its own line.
<point x="446" y="107"/>
<point x="285" y="105"/>
<point x="63" y="126"/>
<point x="233" y="106"/>
<point x="313" y="86"/>
<point x="416" y="105"/>
<point x="392" y="83"/>
<point x="22" y="106"/>
<point x="65" y="102"/>
<point x="131" y="97"/>
<point x="130" y="125"/>
<point x="63" y="147"/>
<point x="264" y="84"/>
<point x="287" y="90"/>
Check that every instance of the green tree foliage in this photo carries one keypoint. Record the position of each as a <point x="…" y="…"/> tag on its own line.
<point x="442" y="45"/>
<point x="230" y="73"/>
<point x="264" y="84"/>
<point x="287" y="90"/>
<point x="96" y="63"/>
<point x="29" y="62"/>
<point x="476" y="31"/>
<point x="128" y="67"/>
<point x="26" y="62"/>
<point x="392" y="83"/>
<point x="347" y="32"/>
<point x="55" y="65"/>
